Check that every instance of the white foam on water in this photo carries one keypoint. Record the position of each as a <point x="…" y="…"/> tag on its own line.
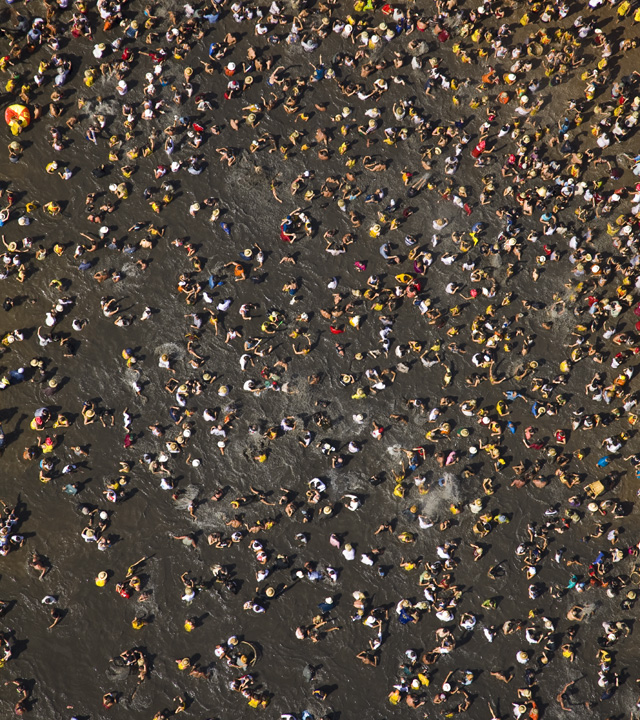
<point x="441" y="497"/>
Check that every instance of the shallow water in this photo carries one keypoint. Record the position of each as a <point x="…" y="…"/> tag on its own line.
<point x="70" y="664"/>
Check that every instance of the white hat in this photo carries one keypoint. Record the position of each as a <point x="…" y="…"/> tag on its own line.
<point x="473" y="450"/>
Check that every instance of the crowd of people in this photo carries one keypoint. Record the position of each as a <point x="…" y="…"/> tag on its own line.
<point x="283" y="286"/>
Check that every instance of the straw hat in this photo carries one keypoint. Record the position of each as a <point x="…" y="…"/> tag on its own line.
<point x="53" y="383"/>
<point x="102" y="576"/>
<point x="188" y="71"/>
<point x="223" y="390"/>
<point x="270" y="592"/>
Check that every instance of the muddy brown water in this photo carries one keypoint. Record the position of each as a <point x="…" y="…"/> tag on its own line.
<point x="69" y="666"/>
